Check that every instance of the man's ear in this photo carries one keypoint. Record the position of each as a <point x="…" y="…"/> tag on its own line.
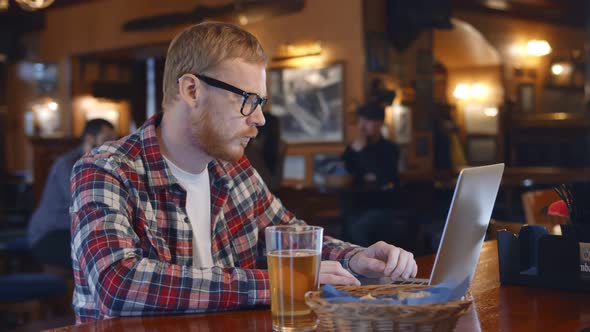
<point x="188" y="88"/>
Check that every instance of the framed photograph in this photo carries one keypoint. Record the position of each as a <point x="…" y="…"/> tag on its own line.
<point x="309" y="102"/>
<point x="327" y="165"/>
<point x="402" y="124"/>
<point x="526" y="97"/>
<point x="377" y="52"/>
<point x="294" y="168"/>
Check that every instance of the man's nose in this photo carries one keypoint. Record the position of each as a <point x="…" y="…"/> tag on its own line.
<point x="257" y="117"/>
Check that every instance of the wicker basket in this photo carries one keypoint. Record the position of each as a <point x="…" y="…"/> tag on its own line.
<point x="356" y="316"/>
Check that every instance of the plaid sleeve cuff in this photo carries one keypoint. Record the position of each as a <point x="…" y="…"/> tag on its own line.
<point x="337" y="250"/>
<point x="345" y="261"/>
<point x="258" y="287"/>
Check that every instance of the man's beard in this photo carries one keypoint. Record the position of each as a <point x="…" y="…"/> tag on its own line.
<point x="209" y="137"/>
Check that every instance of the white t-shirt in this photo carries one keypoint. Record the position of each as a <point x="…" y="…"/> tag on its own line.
<point x="198" y="209"/>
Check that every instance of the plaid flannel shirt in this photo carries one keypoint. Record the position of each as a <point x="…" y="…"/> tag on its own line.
<point x="132" y="240"/>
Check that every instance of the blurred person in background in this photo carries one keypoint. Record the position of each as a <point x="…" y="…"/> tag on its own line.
<point x="48" y="230"/>
<point x="371" y="209"/>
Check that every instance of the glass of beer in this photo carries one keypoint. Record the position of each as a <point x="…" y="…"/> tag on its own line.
<point x="293" y="254"/>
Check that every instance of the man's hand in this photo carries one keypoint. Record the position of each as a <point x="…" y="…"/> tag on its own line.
<point x="384" y="260"/>
<point x="332" y="272"/>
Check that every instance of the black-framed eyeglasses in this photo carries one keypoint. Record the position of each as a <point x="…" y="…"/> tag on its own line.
<point x="248" y="98"/>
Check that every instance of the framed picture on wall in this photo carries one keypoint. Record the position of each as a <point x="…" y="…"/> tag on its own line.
<point x="325" y="166"/>
<point x="526" y="97"/>
<point x="402" y="124"/>
<point x="294" y="168"/>
<point x="309" y="102"/>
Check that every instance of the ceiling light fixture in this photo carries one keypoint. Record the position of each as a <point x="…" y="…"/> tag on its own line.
<point x="28" y="5"/>
<point x="538" y="47"/>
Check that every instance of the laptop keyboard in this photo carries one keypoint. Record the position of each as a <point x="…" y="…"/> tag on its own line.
<point x="410" y="281"/>
<point x="388" y="281"/>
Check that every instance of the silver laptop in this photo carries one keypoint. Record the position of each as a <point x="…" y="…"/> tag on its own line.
<point x="465" y="228"/>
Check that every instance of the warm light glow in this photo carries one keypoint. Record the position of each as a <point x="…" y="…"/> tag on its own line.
<point x="289" y="51"/>
<point x="31" y="5"/>
<point x="52" y="105"/>
<point x="462" y="91"/>
<point x="561" y="68"/>
<point x="389" y="110"/>
<point x="491" y="111"/>
<point x="557" y="69"/>
<point x="243" y="19"/>
<point x="46" y="117"/>
<point x="314" y="78"/>
<point x="517" y="50"/>
<point x="93" y="108"/>
<point x="308" y="61"/>
<point x="538" y="47"/>
<point x="479" y="91"/>
<point x="497" y="4"/>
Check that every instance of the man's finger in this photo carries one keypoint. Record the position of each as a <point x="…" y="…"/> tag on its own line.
<point x="403" y="267"/>
<point x="335" y="268"/>
<point x="328" y="278"/>
<point x="409" y="268"/>
<point x="342" y="272"/>
<point x="392" y="260"/>
<point x="332" y="267"/>
<point x="372" y="265"/>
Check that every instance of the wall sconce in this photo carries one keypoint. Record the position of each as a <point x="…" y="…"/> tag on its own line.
<point x="464" y="91"/>
<point x="29" y="5"/>
<point x="46" y="117"/>
<point x="561" y="68"/>
<point x="290" y="51"/>
<point x="490" y="111"/>
<point x="93" y="108"/>
<point x="538" y="47"/>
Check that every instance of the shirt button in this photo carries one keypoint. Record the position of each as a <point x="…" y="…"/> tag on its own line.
<point x="186" y="220"/>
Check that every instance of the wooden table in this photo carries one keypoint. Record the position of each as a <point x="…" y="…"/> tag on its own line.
<point x="506" y="308"/>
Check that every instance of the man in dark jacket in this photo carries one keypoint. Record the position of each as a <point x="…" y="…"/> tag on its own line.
<point x="370" y="158"/>
<point x="369" y="209"/>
